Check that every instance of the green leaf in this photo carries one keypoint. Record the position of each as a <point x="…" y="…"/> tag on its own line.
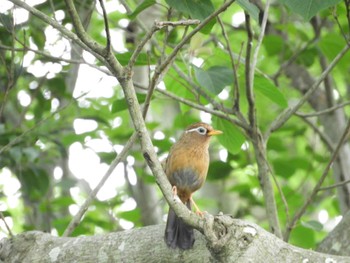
<point x="61" y="202"/>
<point x="142" y="60"/>
<point x="313" y="224"/>
<point x="232" y="139"/>
<point x="196" y="9"/>
<point x="144" y="5"/>
<point x="308" y="8"/>
<point x="286" y="167"/>
<point x="274" y="45"/>
<point x="132" y="215"/>
<point x="219" y="170"/>
<point x="215" y="79"/>
<point x="308" y="56"/>
<point x="7" y="21"/>
<point x="121" y="104"/>
<point x="269" y="90"/>
<point x="304" y="237"/>
<point x="250" y="8"/>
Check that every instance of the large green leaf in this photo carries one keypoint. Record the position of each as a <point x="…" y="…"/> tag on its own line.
<point x="269" y="90"/>
<point x="232" y="139"/>
<point x="214" y="79"/>
<point x="308" y="8"/>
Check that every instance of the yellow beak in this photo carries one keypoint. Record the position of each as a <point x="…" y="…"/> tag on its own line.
<point x="214" y="132"/>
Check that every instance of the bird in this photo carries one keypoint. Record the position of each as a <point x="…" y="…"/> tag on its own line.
<point x="186" y="168"/>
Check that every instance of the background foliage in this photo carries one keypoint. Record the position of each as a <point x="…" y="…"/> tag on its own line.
<point x="39" y="112"/>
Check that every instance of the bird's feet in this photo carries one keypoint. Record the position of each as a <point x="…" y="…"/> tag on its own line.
<point x="198" y="211"/>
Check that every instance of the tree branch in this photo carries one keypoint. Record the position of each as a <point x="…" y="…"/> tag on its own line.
<point x="246" y="242"/>
<point x="77" y="218"/>
<point x="286" y="114"/>
<point x="314" y="192"/>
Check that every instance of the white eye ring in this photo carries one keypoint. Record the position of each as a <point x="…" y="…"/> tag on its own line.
<point x="202" y="130"/>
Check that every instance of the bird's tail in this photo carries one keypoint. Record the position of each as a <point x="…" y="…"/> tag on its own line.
<point x="177" y="233"/>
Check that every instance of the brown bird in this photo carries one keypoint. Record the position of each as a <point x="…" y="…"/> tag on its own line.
<point x="186" y="168"/>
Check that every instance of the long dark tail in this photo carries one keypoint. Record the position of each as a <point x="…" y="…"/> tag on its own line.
<point x="177" y="233"/>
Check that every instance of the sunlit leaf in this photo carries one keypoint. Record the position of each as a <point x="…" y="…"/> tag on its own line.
<point x="232" y="139"/>
<point x="269" y="90"/>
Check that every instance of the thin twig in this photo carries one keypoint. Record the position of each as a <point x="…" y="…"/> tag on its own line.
<point x="317" y="187"/>
<point x="335" y="16"/>
<point x="285" y="115"/>
<point x="6" y="225"/>
<point x="194" y="105"/>
<point x="322" y="112"/>
<point x="248" y="79"/>
<point x="186" y="23"/>
<point x="105" y="19"/>
<point x="38" y="124"/>
<point x="80" y="30"/>
<point x="326" y="140"/>
<point x="64" y="31"/>
<point x="140" y="46"/>
<point x="236" y="106"/>
<point x="77" y="218"/>
<point x="334" y="185"/>
<point x="176" y="50"/>
<point x="157" y="26"/>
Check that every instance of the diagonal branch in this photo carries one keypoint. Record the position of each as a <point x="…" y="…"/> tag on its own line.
<point x="317" y="187"/>
<point x="80" y="30"/>
<point x="77" y="218"/>
<point x="105" y="19"/>
<point x="285" y="115"/>
<point x="64" y="31"/>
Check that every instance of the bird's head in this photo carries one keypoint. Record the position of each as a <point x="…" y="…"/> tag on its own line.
<point x="199" y="133"/>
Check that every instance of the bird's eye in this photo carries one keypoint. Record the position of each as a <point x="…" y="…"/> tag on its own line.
<point x="202" y="130"/>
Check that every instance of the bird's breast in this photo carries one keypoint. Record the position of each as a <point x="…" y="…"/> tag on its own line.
<point x="187" y="171"/>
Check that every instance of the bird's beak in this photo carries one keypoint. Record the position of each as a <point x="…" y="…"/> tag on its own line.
<point x="214" y="132"/>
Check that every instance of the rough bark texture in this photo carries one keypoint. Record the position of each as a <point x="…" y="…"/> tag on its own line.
<point x="236" y="241"/>
<point x="338" y="242"/>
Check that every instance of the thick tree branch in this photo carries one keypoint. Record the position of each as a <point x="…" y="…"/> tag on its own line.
<point x="258" y="140"/>
<point x="245" y="243"/>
